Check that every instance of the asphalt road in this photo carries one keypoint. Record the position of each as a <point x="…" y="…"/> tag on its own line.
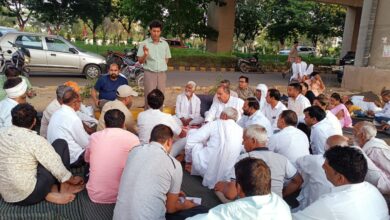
<point x="178" y="78"/>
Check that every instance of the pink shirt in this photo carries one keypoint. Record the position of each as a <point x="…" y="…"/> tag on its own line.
<point x="107" y="154"/>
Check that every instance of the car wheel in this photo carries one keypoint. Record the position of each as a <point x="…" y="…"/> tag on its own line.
<point x="244" y="67"/>
<point x="92" y="71"/>
<point x="140" y="80"/>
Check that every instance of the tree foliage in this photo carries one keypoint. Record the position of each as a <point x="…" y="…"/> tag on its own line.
<point x="15" y="8"/>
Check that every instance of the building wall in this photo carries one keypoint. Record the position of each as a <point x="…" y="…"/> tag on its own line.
<point x="366" y="79"/>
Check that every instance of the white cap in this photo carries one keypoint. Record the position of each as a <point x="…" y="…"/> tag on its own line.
<point x="125" y="91"/>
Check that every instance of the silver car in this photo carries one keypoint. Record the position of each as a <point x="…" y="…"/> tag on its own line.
<point x="54" y="54"/>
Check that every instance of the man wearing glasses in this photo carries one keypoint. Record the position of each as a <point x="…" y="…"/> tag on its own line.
<point x="244" y="91"/>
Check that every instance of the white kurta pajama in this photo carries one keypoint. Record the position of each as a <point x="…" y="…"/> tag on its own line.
<point x="213" y="150"/>
<point x="257" y="118"/>
<point x="379" y="152"/>
<point x="217" y="108"/>
<point x="273" y="113"/>
<point x="188" y="108"/>
<point x="298" y="105"/>
<point x="6" y="106"/>
<point x="320" y="132"/>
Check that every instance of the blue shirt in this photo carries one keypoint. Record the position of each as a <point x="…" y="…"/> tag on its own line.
<point x="107" y="87"/>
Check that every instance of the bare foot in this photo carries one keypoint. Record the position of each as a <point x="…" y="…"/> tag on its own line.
<point x="60" y="198"/>
<point x="54" y="188"/>
<point x="71" y="188"/>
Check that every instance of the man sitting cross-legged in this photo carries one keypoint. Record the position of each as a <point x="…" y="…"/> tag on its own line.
<point x="282" y="170"/>
<point x="151" y="181"/>
<point x="107" y="153"/>
<point x="253" y="178"/>
<point x="30" y="167"/>
<point x="352" y="198"/>
<point x="214" y="148"/>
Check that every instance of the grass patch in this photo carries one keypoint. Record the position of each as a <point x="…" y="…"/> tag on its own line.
<point x="199" y="58"/>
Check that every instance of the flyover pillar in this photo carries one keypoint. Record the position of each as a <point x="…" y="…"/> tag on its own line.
<point x="221" y="18"/>
<point x="351" y="29"/>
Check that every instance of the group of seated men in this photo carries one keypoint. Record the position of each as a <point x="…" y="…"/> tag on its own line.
<point x="255" y="152"/>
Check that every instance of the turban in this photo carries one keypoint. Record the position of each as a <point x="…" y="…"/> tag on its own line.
<point x="17" y="90"/>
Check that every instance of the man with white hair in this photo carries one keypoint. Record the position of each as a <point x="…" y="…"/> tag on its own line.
<point x="215" y="159"/>
<point x="224" y="100"/>
<point x="261" y="94"/>
<point x="377" y="150"/>
<point x="283" y="172"/>
<point x="16" y="89"/>
<point x="252" y="115"/>
<point x="188" y="106"/>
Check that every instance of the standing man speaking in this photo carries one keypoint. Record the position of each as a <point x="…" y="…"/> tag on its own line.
<point x="154" y="54"/>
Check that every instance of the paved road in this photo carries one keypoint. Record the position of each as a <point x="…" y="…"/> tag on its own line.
<point x="177" y="78"/>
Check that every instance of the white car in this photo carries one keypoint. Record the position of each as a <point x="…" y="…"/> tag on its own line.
<point x="53" y="54"/>
<point x="302" y="50"/>
<point x="4" y="30"/>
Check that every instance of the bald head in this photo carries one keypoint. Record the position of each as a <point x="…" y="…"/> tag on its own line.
<point x="337" y="140"/>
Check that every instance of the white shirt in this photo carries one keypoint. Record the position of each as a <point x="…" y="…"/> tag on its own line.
<point x="282" y="170"/>
<point x="264" y="207"/>
<point x="385" y="111"/>
<point x="187" y="108"/>
<point x="6" y="106"/>
<point x="299" y="70"/>
<point x="360" y="201"/>
<point x="65" y="124"/>
<point x="379" y="152"/>
<point x="215" y="159"/>
<point x="315" y="183"/>
<point x="334" y="121"/>
<point x="290" y="142"/>
<point x="49" y="111"/>
<point x="273" y="113"/>
<point x="148" y="119"/>
<point x="217" y="108"/>
<point x="298" y="105"/>
<point x="257" y="118"/>
<point x="320" y="132"/>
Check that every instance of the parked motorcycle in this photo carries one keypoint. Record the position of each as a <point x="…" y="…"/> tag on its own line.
<point x="20" y="59"/>
<point x="2" y="61"/>
<point x="251" y="64"/>
<point x="129" y="65"/>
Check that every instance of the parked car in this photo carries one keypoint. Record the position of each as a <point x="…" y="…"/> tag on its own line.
<point x="176" y="43"/>
<point x="4" y="30"/>
<point x="53" y="54"/>
<point x="302" y="50"/>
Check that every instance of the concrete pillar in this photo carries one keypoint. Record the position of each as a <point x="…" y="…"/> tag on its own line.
<point x="221" y="18"/>
<point x="381" y="37"/>
<point x="351" y="30"/>
<point x="365" y="33"/>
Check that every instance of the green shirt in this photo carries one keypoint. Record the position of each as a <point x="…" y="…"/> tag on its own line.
<point x="3" y="78"/>
<point x="158" y="53"/>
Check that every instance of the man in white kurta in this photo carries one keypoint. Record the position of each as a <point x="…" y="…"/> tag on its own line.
<point x="376" y="149"/>
<point x="273" y="107"/>
<point x="65" y="124"/>
<point x="321" y="129"/>
<point x="224" y="100"/>
<point x="213" y="149"/>
<point x="15" y="88"/>
<point x="253" y="116"/>
<point x="188" y="106"/>
<point x="289" y="141"/>
<point x="351" y="198"/>
<point x="323" y="102"/>
<point x="296" y="101"/>
<point x="299" y="68"/>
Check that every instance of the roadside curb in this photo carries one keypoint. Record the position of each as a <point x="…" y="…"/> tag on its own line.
<point x="201" y="69"/>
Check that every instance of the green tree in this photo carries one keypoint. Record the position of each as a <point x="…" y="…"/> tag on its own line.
<point x="16" y="9"/>
<point x="55" y="14"/>
<point x="93" y="12"/>
<point x="324" y="21"/>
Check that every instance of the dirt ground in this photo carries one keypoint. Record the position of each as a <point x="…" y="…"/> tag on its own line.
<point x="46" y="94"/>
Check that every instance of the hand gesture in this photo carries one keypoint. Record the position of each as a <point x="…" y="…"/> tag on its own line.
<point x="189" y="204"/>
<point x="146" y="51"/>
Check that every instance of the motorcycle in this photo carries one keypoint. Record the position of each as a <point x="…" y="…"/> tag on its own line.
<point x="129" y="65"/>
<point x="251" y="64"/>
<point x="20" y="59"/>
<point x="2" y="61"/>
